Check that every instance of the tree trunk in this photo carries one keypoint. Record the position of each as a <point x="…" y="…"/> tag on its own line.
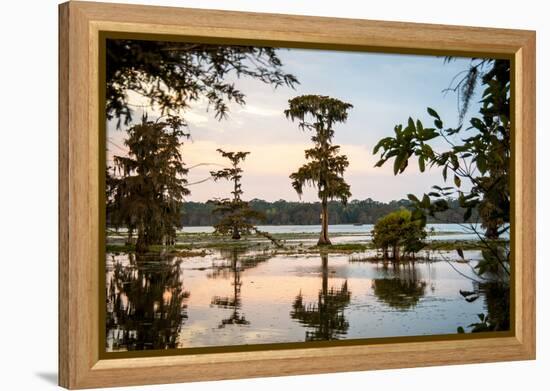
<point x="236" y="235"/>
<point x="141" y="245"/>
<point x="395" y="252"/>
<point x="130" y="239"/>
<point x="323" y="239"/>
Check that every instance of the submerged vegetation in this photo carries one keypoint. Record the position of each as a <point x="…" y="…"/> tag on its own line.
<point x="199" y="244"/>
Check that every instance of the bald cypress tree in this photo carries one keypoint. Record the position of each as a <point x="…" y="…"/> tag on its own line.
<point x="325" y="167"/>
<point x="236" y="215"/>
<point x="147" y="192"/>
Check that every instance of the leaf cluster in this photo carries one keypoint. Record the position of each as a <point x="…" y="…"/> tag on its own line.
<point x="173" y="74"/>
<point x="400" y="232"/>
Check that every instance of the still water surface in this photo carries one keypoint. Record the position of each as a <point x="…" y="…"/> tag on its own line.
<point x="235" y="298"/>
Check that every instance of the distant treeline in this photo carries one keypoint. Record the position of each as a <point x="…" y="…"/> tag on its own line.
<point x="303" y="213"/>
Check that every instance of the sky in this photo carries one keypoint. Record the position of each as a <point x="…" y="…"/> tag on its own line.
<point x="384" y="89"/>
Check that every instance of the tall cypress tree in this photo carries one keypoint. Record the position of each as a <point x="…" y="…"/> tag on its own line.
<point x="149" y="185"/>
<point x="326" y="167"/>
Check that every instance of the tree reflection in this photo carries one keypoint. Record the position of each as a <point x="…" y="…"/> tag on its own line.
<point x="497" y="301"/>
<point x="402" y="291"/>
<point x="494" y="288"/>
<point x="146" y="303"/>
<point x="326" y="317"/>
<point x="233" y="264"/>
<point x="496" y="295"/>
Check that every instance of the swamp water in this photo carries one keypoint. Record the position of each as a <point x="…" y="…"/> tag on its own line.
<point x="232" y="297"/>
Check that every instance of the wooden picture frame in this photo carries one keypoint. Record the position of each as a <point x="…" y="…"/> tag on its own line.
<point x="80" y="26"/>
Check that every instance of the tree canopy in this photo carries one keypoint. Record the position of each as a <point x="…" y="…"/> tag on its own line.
<point x="171" y="75"/>
<point x="400" y="233"/>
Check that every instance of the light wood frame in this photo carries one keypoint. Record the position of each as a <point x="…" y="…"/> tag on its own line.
<point x="79" y="26"/>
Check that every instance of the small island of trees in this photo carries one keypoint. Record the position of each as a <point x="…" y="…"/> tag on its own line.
<point x="399" y="233"/>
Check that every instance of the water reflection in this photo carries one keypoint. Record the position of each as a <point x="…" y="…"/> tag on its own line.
<point x="146" y="303"/>
<point x="326" y="317"/>
<point x="234" y="262"/>
<point x="402" y="289"/>
<point x="496" y="297"/>
<point x="241" y="298"/>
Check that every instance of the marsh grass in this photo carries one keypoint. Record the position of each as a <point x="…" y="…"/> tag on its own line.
<point x="202" y="244"/>
<point x="450" y="245"/>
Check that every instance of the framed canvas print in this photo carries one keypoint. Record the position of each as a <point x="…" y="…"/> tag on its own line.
<point x="247" y="195"/>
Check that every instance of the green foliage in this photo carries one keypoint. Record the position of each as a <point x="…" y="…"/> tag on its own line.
<point x="480" y="156"/>
<point x="494" y="259"/>
<point x="174" y="74"/>
<point x="146" y="188"/>
<point x="399" y="232"/>
<point x="408" y="141"/>
<point x="236" y="215"/>
<point x="325" y="167"/>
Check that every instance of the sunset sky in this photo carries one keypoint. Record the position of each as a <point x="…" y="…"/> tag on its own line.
<point x="384" y="90"/>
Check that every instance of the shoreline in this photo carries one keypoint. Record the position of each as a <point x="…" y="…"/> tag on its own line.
<point x="202" y="244"/>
